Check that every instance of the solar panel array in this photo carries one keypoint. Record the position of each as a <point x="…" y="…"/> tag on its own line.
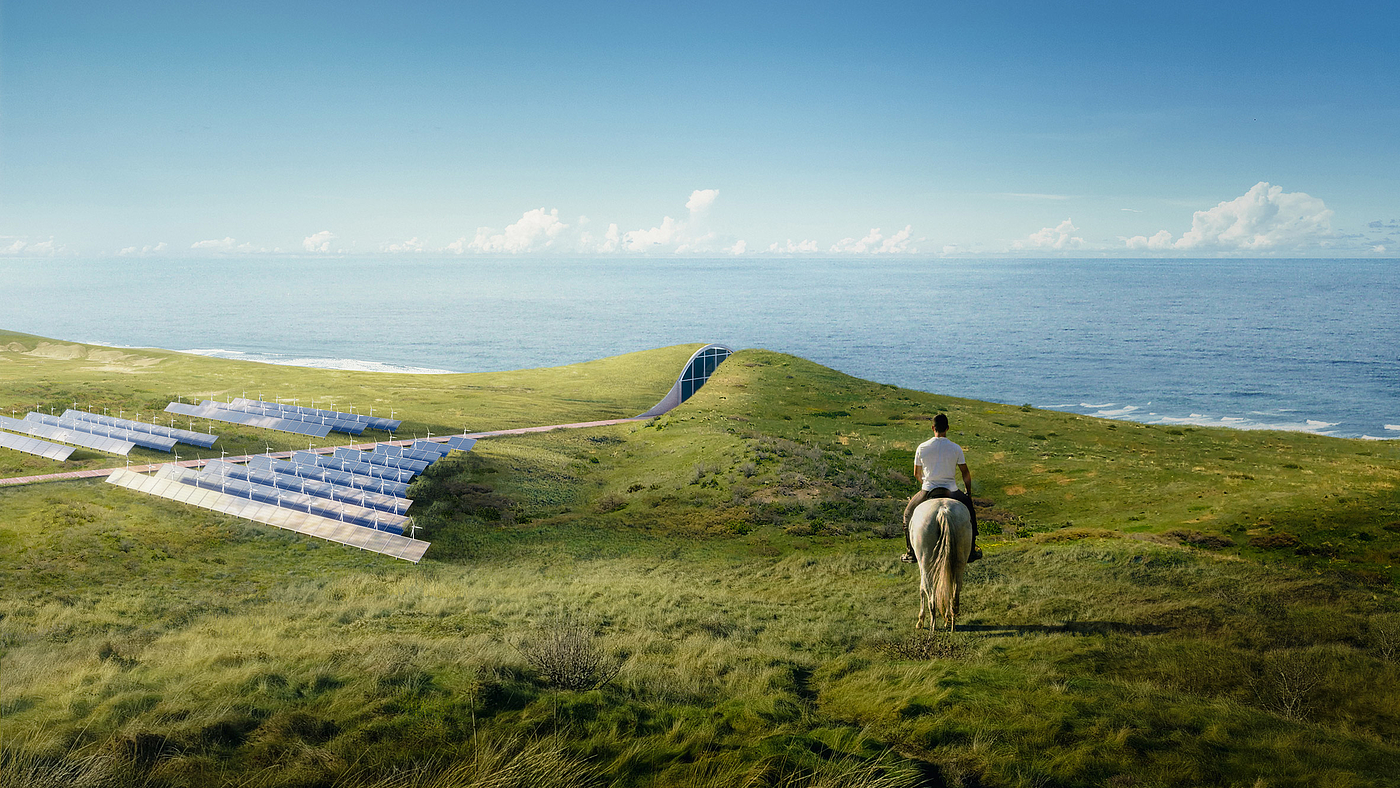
<point x="35" y="446"/>
<point x="339" y="422"/>
<point x="353" y="497"/>
<point x="216" y="412"/>
<point x="87" y="441"/>
<point x="190" y="437"/>
<point x="146" y="439"/>
<point x="177" y="489"/>
<point x="294" y="411"/>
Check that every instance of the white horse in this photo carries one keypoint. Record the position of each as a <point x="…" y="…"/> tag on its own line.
<point x="940" y="532"/>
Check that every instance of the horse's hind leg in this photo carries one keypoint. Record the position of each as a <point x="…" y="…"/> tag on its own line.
<point x="923" y="608"/>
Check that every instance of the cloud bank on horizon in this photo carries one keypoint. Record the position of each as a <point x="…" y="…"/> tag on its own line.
<point x="1265" y="220"/>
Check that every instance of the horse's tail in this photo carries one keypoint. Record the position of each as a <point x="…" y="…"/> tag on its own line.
<point x="944" y="583"/>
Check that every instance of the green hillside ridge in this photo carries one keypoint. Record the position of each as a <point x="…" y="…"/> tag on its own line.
<point x="1158" y="606"/>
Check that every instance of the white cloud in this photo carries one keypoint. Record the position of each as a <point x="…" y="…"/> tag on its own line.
<point x="795" y="248"/>
<point x="214" y="245"/>
<point x="738" y="248"/>
<point x="1160" y="240"/>
<point x="669" y="231"/>
<point x="27" y="249"/>
<point x="134" y="251"/>
<point x="320" y="242"/>
<point x="535" y="231"/>
<point x="1059" y="237"/>
<point x="1265" y="218"/>
<point x="876" y="243"/>
<point x="1378" y="248"/>
<point x="701" y="200"/>
<point x="411" y="245"/>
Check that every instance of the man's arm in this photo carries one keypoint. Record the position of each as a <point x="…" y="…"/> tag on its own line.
<point x="967" y="477"/>
<point x="919" y="474"/>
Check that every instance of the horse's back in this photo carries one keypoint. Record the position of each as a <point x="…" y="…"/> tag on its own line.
<point x="926" y="521"/>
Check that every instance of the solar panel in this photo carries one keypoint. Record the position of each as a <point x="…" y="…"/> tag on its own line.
<point x="362" y="468"/>
<point x="183" y="436"/>
<point x="343" y="478"/>
<point x="211" y="410"/>
<point x="158" y="442"/>
<point x="212" y="479"/>
<point x="372" y="422"/>
<point x="431" y="447"/>
<point x="460" y="442"/>
<point x="334" y="421"/>
<point x="34" y="446"/>
<point x="375" y="458"/>
<point x="409" y="453"/>
<point x="37" y="430"/>
<point x="321" y="489"/>
<point x="312" y="525"/>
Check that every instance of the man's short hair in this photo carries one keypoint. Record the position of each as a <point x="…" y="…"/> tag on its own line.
<point x="940" y="422"/>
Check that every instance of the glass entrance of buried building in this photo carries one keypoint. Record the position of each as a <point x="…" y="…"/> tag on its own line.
<point x="697" y="370"/>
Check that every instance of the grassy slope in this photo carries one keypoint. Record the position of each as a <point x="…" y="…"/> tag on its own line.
<point x="733" y="552"/>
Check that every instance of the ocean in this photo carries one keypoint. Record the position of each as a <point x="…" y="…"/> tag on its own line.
<point x="1282" y="344"/>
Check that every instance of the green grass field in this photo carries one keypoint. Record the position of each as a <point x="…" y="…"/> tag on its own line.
<point x="711" y="598"/>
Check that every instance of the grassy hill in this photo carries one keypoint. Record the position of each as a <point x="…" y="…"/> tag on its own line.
<point x="710" y="598"/>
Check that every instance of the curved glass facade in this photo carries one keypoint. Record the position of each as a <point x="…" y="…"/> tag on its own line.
<point x="700" y="368"/>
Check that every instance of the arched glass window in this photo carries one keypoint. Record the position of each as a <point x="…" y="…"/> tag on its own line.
<point x="700" y="369"/>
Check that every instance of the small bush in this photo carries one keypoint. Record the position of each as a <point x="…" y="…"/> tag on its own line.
<point x="567" y="655"/>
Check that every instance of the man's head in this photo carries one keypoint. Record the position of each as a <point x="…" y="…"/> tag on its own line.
<point x="940" y="423"/>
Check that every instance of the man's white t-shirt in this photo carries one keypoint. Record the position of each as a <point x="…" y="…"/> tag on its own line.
<point x="940" y="458"/>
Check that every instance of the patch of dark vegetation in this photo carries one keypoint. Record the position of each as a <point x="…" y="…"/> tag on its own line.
<point x="567" y="654"/>
<point x="923" y="646"/>
<point x="1277" y="541"/>
<point x="1199" y="539"/>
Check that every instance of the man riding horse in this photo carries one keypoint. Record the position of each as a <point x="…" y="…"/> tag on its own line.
<point x="935" y="461"/>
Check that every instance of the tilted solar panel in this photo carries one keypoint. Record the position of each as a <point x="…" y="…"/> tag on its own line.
<point x="158" y="442"/>
<point x="211" y="410"/>
<point x="190" y="437"/>
<point x="211" y="479"/>
<point x="34" y="446"/>
<point x="312" y="525"/>
<point x="86" y="440"/>
<point x="321" y="489"/>
<point x="362" y="468"/>
<point x="343" y="478"/>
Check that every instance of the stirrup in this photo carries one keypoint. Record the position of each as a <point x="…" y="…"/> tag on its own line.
<point x="909" y="558"/>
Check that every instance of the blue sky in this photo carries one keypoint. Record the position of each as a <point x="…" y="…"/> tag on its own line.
<point x="756" y="128"/>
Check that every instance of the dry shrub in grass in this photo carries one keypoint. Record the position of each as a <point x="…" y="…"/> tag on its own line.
<point x="1383" y="636"/>
<point x="1278" y="541"/>
<point x="1286" y="681"/>
<point x="926" y="646"/>
<point x="567" y="655"/>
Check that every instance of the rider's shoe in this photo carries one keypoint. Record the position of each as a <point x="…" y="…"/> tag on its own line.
<point x="909" y="558"/>
<point x="975" y="554"/>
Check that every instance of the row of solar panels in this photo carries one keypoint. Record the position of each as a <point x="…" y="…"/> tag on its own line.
<point x="35" y="429"/>
<point x="182" y="436"/>
<point x="377" y="541"/>
<point x="348" y="487"/>
<point x="311" y="414"/>
<point x="216" y="412"/>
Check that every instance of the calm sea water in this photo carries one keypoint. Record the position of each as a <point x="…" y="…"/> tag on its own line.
<point x="1293" y="344"/>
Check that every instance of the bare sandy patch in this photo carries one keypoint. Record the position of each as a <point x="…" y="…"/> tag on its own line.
<point x="58" y="352"/>
<point x="1015" y="489"/>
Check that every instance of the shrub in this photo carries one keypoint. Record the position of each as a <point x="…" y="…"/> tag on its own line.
<point x="567" y="655"/>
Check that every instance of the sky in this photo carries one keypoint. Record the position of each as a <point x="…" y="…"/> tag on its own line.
<point x="955" y="129"/>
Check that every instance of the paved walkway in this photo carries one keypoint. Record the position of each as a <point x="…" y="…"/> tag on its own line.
<point x="101" y="473"/>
